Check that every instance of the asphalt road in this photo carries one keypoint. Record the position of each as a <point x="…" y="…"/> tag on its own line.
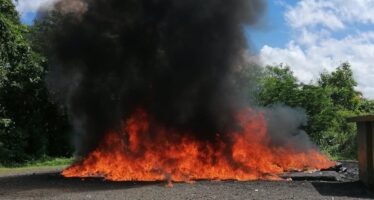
<point x="50" y="185"/>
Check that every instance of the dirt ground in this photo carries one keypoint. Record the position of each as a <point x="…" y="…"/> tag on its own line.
<point x="51" y="185"/>
<point x="339" y="183"/>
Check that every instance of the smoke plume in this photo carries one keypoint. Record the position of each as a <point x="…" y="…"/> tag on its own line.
<point x="180" y="60"/>
<point x="183" y="61"/>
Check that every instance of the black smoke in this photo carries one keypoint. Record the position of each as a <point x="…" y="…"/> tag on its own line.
<point x="180" y="60"/>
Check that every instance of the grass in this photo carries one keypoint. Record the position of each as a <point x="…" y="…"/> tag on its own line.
<point x="45" y="162"/>
<point x="40" y="164"/>
<point x="340" y="156"/>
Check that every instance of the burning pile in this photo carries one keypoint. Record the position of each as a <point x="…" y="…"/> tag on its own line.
<point x="159" y="89"/>
<point x="145" y="151"/>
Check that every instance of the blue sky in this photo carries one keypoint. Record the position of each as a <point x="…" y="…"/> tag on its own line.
<point x="311" y="36"/>
<point x="273" y="30"/>
<point x="28" y="18"/>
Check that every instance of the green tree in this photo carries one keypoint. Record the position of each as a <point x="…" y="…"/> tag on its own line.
<point x="340" y="139"/>
<point x="278" y="85"/>
<point x="328" y="104"/>
<point x="29" y="122"/>
<point x="342" y="85"/>
<point x="366" y="106"/>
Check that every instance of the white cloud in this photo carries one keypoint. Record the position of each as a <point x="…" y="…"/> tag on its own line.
<point x="312" y="13"/>
<point x="314" y="48"/>
<point x="27" y="6"/>
<point x="332" y="14"/>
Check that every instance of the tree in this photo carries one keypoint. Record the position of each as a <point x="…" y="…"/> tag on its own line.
<point x="342" y="85"/>
<point x="327" y="104"/>
<point x="27" y="117"/>
<point x="279" y="85"/>
<point x="366" y="106"/>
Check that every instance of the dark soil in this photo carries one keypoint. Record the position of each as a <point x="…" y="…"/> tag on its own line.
<point x="51" y="185"/>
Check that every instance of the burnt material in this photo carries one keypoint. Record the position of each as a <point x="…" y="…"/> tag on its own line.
<point x="365" y="130"/>
<point x="312" y="176"/>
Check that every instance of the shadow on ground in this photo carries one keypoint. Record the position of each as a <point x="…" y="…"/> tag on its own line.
<point x="52" y="184"/>
<point x="55" y="181"/>
<point x="343" y="189"/>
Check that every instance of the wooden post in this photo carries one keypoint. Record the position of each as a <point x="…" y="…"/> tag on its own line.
<point x="365" y="139"/>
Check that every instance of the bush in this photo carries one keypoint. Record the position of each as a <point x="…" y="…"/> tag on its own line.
<point x="327" y="103"/>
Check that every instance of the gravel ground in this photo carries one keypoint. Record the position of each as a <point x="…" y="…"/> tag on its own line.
<point x="51" y="185"/>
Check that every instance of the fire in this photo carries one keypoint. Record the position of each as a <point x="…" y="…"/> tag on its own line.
<point x="143" y="151"/>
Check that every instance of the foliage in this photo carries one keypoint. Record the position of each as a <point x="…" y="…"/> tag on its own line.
<point x="328" y="104"/>
<point x="279" y="86"/>
<point x="340" y="84"/>
<point x="48" y="161"/>
<point x="366" y="106"/>
<point x="42" y="162"/>
<point x="30" y="125"/>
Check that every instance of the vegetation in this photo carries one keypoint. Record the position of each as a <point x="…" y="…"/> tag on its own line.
<point x="34" y="130"/>
<point x="45" y="163"/>
<point x="31" y="126"/>
<point x="328" y="104"/>
<point x="42" y="162"/>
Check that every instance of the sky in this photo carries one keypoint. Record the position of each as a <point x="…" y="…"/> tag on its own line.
<point x="310" y="36"/>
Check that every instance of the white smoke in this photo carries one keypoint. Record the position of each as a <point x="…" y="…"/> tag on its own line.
<point x="25" y="7"/>
<point x="32" y="6"/>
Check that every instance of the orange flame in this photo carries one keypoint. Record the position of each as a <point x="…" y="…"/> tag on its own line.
<point x="141" y="152"/>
